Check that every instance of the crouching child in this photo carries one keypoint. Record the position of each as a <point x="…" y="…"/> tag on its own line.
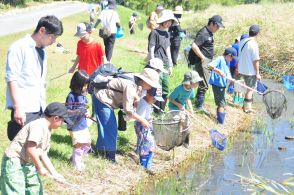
<point x="218" y="80"/>
<point x="27" y="155"/>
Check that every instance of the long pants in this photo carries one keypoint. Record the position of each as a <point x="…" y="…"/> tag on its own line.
<point x="174" y="49"/>
<point x="109" y="44"/>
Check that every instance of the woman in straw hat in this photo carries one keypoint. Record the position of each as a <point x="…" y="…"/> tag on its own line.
<point x="176" y="35"/>
<point x="120" y="93"/>
<point x="159" y="47"/>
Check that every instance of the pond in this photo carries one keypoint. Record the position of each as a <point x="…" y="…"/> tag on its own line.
<point x="262" y="154"/>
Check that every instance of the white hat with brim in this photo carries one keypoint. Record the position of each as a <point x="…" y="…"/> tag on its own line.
<point x="157" y="64"/>
<point x="166" y="15"/>
<point x="150" y="76"/>
<point x="178" y="10"/>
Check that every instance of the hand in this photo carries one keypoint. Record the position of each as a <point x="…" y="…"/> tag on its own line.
<point x="42" y="171"/>
<point x="170" y="71"/>
<point x="181" y="107"/>
<point x="145" y="123"/>
<point x="59" y="178"/>
<point x="19" y="116"/>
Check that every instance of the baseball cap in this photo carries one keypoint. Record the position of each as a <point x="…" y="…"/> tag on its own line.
<point x="191" y="77"/>
<point x="157" y="64"/>
<point x="155" y="92"/>
<point x="254" y="29"/>
<point x="218" y="20"/>
<point x="58" y="109"/>
<point x="232" y="51"/>
<point x="82" y="29"/>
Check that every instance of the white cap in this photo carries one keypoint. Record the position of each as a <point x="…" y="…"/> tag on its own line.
<point x="157" y="64"/>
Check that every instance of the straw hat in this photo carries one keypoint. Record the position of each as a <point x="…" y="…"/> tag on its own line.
<point x="178" y="10"/>
<point x="165" y="16"/>
<point x="150" y="76"/>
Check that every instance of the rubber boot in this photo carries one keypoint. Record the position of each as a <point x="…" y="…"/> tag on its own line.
<point x="236" y="99"/>
<point x="86" y="148"/>
<point x="144" y="159"/>
<point x="241" y="101"/>
<point x="77" y="159"/>
<point x="220" y="117"/>
<point x="199" y="101"/>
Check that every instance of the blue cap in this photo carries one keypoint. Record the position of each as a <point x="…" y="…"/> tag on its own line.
<point x="254" y="30"/>
<point x="244" y="36"/>
<point x="156" y="94"/>
<point x="232" y="51"/>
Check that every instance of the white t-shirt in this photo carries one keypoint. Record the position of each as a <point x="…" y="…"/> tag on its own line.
<point x="249" y="53"/>
<point x="144" y="109"/>
<point x="109" y="17"/>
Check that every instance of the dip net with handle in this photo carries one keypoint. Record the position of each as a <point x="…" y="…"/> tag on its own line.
<point x="76" y="112"/>
<point x="275" y="102"/>
<point x="170" y="128"/>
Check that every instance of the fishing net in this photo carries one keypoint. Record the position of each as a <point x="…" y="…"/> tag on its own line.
<point x="170" y="128"/>
<point x="77" y="112"/>
<point x="275" y="102"/>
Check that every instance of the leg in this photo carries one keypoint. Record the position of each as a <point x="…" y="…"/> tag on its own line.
<point x="250" y="81"/>
<point x="109" y="44"/>
<point x="220" y="101"/>
<point x="33" y="181"/>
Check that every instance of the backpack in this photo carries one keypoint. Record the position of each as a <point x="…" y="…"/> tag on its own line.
<point x="103" y="74"/>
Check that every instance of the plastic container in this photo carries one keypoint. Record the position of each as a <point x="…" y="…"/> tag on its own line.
<point x="218" y="139"/>
<point x="119" y="33"/>
<point x="289" y="82"/>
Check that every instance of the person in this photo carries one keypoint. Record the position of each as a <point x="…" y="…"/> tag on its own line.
<point x="180" y="98"/>
<point x="109" y="18"/>
<point x="27" y="155"/>
<point x="153" y="18"/>
<point x="145" y="139"/>
<point x="120" y="93"/>
<point x="132" y="22"/>
<point x="90" y="54"/>
<point x="76" y="102"/>
<point x="26" y="68"/>
<point x="176" y="34"/>
<point x="218" y="80"/>
<point x="249" y="64"/>
<point x="201" y="54"/>
<point x="92" y="16"/>
<point x="159" y="47"/>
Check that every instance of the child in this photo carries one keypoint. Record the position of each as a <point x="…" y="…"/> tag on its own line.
<point x="132" y="22"/>
<point x="76" y="101"/>
<point x="90" y="54"/>
<point x="27" y="155"/>
<point x="181" y="97"/>
<point x="218" y="80"/>
<point x="145" y="143"/>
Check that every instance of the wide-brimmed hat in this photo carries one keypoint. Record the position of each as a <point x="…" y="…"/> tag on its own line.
<point x="58" y="109"/>
<point x="150" y="76"/>
<point x="178" y="10"/>
<point x="111" y="4"/>
<point x="191" y="77"/>
<point x="157" y="64"/>
<point x="166" y="15"/>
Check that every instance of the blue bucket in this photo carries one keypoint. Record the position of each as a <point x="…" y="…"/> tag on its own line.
<point x="261" y="87"/>
<point x="218" y="139"/>
<point x="119" y="33"/>
<point x="289" y="82"/>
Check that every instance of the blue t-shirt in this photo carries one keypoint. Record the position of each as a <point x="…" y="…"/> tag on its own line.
<point x="233" y="63"/>
<point x="77" y="103"/>
<point x="215" y="79"/>
<point x="180" y="95"/>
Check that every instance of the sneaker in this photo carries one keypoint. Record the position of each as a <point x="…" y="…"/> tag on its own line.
<point x="249" y="111"/>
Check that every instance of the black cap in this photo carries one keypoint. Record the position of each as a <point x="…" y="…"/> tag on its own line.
<point x="254" y="30"/>
<point x="218" y="20"/>
<point x="58" y="109"/>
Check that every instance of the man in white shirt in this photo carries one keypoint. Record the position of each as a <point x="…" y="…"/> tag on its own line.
<point x="109" y="17"/>
<point x="26" y="69"/>
<point x="248" y="66"/>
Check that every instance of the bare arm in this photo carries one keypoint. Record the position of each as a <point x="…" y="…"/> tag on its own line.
<point x="74" y="66"/>
<point x="170" y="62"/>
<point x="143" y="121"/>
<point x="256" y="67"/>
<point x="197" y="51"/>
<point x="180" y="106"/>
<point x="218" y="71"/>
<point x="33" y="153"/>
<point x="190" y="106"/>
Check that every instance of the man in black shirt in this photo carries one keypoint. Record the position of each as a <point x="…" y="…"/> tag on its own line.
<point x="201" y="54"/>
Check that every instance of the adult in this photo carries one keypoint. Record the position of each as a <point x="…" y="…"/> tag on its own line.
<point x="201" y="54"/>
<point x="249" y="64"/>
<point x="109" y="18"/>
<point x="159" y="47"/>
<point x="26" y="68"/>
<point x="120" y="93"/>
<point x="153" y="18"/>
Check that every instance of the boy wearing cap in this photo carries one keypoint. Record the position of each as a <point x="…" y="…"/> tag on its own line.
<point x="218" y="79"/>
<point x="27" y="155"/>
<point x="180" y="98"/>
<point x="90" y="54"/>
<point x="248" y="66"/>
<point x="201" y="54"/>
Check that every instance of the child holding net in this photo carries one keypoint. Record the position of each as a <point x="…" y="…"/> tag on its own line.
<point x="180" y="98"/>
<point x="76" y="102"/>
<point x="145" y="139"/>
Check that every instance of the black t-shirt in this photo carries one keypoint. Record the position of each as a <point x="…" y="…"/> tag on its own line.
<point x="159" y="39"/>
<point x="204" y="40"/>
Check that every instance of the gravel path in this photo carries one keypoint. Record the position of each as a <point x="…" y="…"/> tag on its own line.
<point x="23" y="19"/>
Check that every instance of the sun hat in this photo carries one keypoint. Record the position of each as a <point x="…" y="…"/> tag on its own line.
<point x="150" y="76"/>
<point x="178" y="10"/>
<point x="191" y="77"/>
<point x="58" y="109"/>
<point x="111" y="4"/>
<point x="218" y="20"/>
<point x="254" y="29"/>
<point x="156" y="93"/>
<point x="165" y="16"/>
<point x="159" y="7"/>
<point x="232" y="51"/>
<point x="157" y="64"/>
<point x="82" y="29"/>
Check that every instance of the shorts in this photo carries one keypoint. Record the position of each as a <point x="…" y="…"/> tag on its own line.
<point x="250" y="80"/>
<point x="81" y="136"/>
<point x="219" y="96"/>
